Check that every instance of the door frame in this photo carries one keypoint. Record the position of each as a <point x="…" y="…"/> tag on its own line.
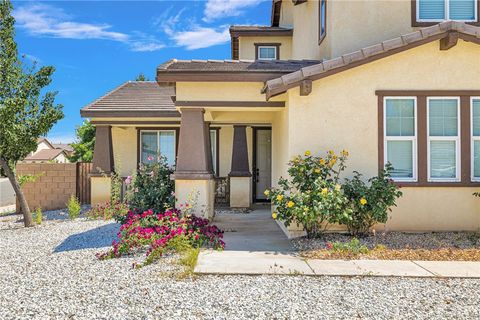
<point x="254" y="164"/>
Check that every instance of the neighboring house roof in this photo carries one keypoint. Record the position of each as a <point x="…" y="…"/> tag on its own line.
<point x="45" y="155"/>
<point x="448" y="32"/>
<point x="42" y="139"/>
<point x="134" y="99"/>
<point x="63" y="146"/>
<point x="228" y="70"/>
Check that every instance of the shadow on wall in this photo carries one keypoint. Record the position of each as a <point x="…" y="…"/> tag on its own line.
<point x="100" y="237"/>
<point x="7" y="195"/>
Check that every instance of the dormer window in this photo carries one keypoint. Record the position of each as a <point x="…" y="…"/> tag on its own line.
<point x="434" y="11"/>
<point x="267" y="51"/>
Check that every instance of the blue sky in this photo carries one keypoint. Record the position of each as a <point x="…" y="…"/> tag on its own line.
<point x="97" y="45"/>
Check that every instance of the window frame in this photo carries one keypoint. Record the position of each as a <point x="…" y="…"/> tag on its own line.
<point x="414" y="138"/>
<point x="259" y="47"/>
<point x="140" y="146"/>
<point x="472" y="142"/>
<point x="215" y="156"/>
<point x="457" y="139"/>
<point x="321" y="21"/>
<point x="417" y="22"/>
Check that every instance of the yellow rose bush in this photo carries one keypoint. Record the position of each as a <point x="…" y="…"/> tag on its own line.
<point x="312" y="195"/>
<point x="370" y="201"/>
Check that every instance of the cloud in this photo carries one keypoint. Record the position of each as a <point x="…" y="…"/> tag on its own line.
<point x="49" y="21"/>
<point x="201" y="37"/>
<point x="46" y="20"/>
<point x="215" y="9"/>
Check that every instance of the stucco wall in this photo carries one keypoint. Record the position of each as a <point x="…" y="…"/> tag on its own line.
<point x="247" y="46"/>
<point x="341" y="112"/>
<point x="124" y="142"/>
<point x="305" y="31"/>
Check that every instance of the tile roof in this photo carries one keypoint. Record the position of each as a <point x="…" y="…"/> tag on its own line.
<point x="45" y="154"/>
<point x="266" y="66"/>
<point x="260" y="30"/>
<point x="134" y="99"/>
<point x="350" y="60"/>
<point x="63" y="146"/>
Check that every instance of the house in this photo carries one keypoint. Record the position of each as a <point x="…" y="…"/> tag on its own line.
<point x="49" y="152"/>
<point x="390" y="81"/>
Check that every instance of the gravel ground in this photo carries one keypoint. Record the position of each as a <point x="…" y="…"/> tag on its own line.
<point x="50" y="272"/>
<point x="398" y="240"/>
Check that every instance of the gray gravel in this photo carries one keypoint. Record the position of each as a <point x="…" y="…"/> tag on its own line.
<point x="397" y="240"/>
<point x="50" y="272"/>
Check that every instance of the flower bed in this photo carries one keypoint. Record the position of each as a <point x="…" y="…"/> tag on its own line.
<point x="440" y="246"/>
<point x="160" y="233"/>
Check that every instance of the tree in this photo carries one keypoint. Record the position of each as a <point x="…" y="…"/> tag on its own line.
<point x="83" y="146"/>
<point x="141" y="77"/>
<point x="26" y="114"/>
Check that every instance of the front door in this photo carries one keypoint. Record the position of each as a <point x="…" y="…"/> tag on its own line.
<point x="262" y="162"/>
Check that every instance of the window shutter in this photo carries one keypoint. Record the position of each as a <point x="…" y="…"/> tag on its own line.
<point x="431" y="9"/>
<point x="462" y="9"/>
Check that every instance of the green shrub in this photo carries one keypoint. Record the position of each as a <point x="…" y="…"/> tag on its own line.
<point x="73" y="207"/>
<point x="109" y="210"/>
<point x="352" y="247"/>
<point x="312" y="196"/>
<point x="151" y="187"/>
<point x="370" y="201"/>
<point x="38" y="216"/>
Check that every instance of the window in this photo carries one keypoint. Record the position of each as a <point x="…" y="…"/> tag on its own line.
<point x="213" y="146"/>
<point x="475" y="112"/>
<point x="443" y="139"/>
<point x="401" y="137"/>
<point x="439" y="10"/>
<point x="155" y="143"/>
<point x="322" y="24"/>
<point x="267" y="52"/>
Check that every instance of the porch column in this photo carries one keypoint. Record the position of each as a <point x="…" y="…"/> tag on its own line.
<point x="240" y="176"/>
<point x="194" y="175"/>
<point x="103" y="165"/>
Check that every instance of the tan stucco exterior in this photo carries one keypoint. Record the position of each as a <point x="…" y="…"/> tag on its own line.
<point x="100" y="189"/>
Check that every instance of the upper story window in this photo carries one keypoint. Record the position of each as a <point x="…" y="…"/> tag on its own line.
<point x="440" y="10"/>
<point x="267" y="53"/>
<point x="322" y="23"/>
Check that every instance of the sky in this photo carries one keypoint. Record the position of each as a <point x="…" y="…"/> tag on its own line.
<point x="97" y="45"/>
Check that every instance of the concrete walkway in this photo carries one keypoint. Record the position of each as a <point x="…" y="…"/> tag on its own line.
<point x="255" y="263"/>
<point x="254" y="231"/>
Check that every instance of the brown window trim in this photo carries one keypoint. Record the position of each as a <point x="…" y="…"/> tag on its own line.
<point x="139" y="129"/>
<point x="416" y="23"/>
<point x="276" y="45"/>
<point x="320" y="36"/>
<point x="422" y="138"/>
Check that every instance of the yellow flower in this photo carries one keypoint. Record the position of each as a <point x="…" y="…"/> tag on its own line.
<point x="266" y="192"/>
<point x="332" y="162"/>
<point x="317" y="170"/>
<point x="338" y="187"/>
<point x="307" y="153"/>
<point x="280" y="197"/>
<point x="305" y="209"/>
<point x="290" y="204"/>
<point x="345" y="153"/>
<point x="322" y="162"/>
<point x="363" y="201"/>
<point x="324" y="191"/>
<point x="330" y="152"/>
<point x="274" y="215"/>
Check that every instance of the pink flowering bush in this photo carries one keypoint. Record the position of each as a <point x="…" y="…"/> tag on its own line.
<point x="163" y="232"/>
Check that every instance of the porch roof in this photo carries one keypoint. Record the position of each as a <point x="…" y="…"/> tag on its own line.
<point x="449" y="32"/>
<point x="134" y="99"/>
<point x="228" y="70"/>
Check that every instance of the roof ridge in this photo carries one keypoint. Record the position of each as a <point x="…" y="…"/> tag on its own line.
<point x="281" y="84"/>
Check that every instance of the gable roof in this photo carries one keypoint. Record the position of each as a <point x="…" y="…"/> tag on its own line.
<point x="63" y="146"/>
<point x="45" y="155"/>
<point x="228" y="70"/>
<point x="134" y="99"/>
<point x="448" y="32"/>
<point x="43" y="139"/>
